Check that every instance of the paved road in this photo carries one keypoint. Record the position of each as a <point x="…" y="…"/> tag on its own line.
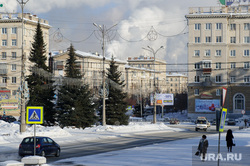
<point x="130" y="141"/>
<point x="123" y="142"/>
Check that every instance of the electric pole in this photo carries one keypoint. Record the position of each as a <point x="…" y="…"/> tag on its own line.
<point x="104" y="33"/>
<point x="22" y="3"/>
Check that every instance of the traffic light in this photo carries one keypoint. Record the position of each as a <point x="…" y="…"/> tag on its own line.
<point x="1" y="5"/>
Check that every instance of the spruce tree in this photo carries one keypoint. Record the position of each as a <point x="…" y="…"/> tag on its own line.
<point x="40" y="83"/>
<point x="75" y="103"/>
<point x="116" y="105"/>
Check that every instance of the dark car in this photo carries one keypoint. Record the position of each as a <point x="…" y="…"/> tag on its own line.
<point x="8" y="119"/>
<point x="231" y="122"/>
<point x="174" y="121"/>
<point x="45" y="146"/>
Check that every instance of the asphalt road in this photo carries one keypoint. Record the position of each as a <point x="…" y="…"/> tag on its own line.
<point x="124" y="142"/>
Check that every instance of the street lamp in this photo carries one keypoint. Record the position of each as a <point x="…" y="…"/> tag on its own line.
<point x="154" y="53"/>
<point x="23" y="125"/>
<point x="104" y="32"/>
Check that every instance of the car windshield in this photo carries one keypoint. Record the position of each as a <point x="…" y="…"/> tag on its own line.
<point x="201" y="121"/>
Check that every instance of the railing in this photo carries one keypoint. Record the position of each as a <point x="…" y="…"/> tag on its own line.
<point x="219" y="9"/>
<point x="3" y="84"/>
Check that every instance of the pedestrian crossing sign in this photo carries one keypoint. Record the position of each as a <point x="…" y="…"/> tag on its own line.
<point x="34" y="115"/>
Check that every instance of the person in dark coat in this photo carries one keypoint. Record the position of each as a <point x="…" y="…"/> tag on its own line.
<point x="203" y="145"/>
<point x="229" y="139"/>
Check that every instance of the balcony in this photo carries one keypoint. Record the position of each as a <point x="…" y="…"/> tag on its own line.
<point x="3" y="85"/>
<point x="59" y="67"/>
<point x="206" y="71"/>
<point x="3" y="71"/>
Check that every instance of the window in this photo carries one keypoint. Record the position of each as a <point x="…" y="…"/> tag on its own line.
<point x="4" y="42"/>
<point x="197" y="65"/>
<point x="246" y="65"/>
<point x="206" y="64"/>
<point x="4" y="80"/>
<point x="208" y="39"/>
<point x="196" y="52"/>
<point x="218" y="92"/>
<point x="218" y="26"/>
<point x="233" y="53"/>
<point x="246" y="39"/>
<point x="232" y="39"/>
<point x="207" y="52"/>
<point x="14" y="30"/>
<point x="218" y="65"/>
<point x="218" y="79"/>
<point x="232" y="79"/>
<point x="197" y="39"/>
<point x="197" y="26"/>
<point x="13" y="55"/>
<point x="4" y="55"/>
<point x="4" y="30"/>
<point x="196" y="92"/>
<point x="246" y="79"/>
<point x="13" y="67"/>
<point x="232" y="27"/>
<point x="246" y="53"/>
<point x="239" y="102"/>
<point x="246" y="26"/>
<point x="208" y="26"/>
<point x="13" y="42"/>
<point x="218" y="53"/>
<point x="233" y="65"/>
<point x="13" y="80"/>
<point x="196" y="78"/>
<point x="218" y="39"/>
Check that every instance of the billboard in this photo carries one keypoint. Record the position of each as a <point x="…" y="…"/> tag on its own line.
<point x="163" y="99"/>
<point x="206" y="105"/>
<point x="230" y="2"/>
<point x="9" y="104"/>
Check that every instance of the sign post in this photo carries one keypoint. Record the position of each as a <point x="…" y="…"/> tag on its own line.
<point x="34" y="115"/>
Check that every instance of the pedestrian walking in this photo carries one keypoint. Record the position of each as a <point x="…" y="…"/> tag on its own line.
<point x="203" y="145"/>
<point x="229" y="139"/>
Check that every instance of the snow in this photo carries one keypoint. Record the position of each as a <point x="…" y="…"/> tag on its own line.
<point x="173" y="153"/>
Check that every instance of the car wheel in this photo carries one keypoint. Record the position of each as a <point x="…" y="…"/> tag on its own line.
<point x="43" y="153"/>
<point x="205" y="129"/>
<point x="57" y="153"/>
<point x="196" y="129"/>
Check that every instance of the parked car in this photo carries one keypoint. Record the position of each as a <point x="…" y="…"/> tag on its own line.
<point x="8" y="119"/>
<point x="174" y="121"/>
<point x="231" y="122"/>
<point x="214" y="122"/>
<point x="45" y="146"/>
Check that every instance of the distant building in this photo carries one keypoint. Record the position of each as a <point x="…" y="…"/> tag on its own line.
<point x="138" y="73"/>
<point x="218" y="56"/>
<point x="176" y="83"/>
<point x="10" y="55"/>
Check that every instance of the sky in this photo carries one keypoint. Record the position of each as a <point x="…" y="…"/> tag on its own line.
<point x="72" y="22"/>
<point x="174" y="153"/>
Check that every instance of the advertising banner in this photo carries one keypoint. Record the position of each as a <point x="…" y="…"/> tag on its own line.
<point x="163" y="99"/>
<point x="9" y="104"/>
<point x="206" y="105"/>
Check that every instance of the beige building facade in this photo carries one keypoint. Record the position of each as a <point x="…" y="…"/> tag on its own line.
<point x="137" y="73"/>
<point x="176" y="83"/>
<point x="10" y="55"/>
<point x="218" y="56"/>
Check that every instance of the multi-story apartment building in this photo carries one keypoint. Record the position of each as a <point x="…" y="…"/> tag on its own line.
<point x="154" y="71"/>
<point x="176" y="83"/>
<point x="138" y="73"/>
<point x="10" y="55"/>
<point x="218" y="56"/>
<point x="90" y="65"/>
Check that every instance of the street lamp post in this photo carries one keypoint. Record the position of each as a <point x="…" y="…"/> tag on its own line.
<point x="154" y="53"/>
<point x="104" y="32"/>
<point x="23" y="125"/>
